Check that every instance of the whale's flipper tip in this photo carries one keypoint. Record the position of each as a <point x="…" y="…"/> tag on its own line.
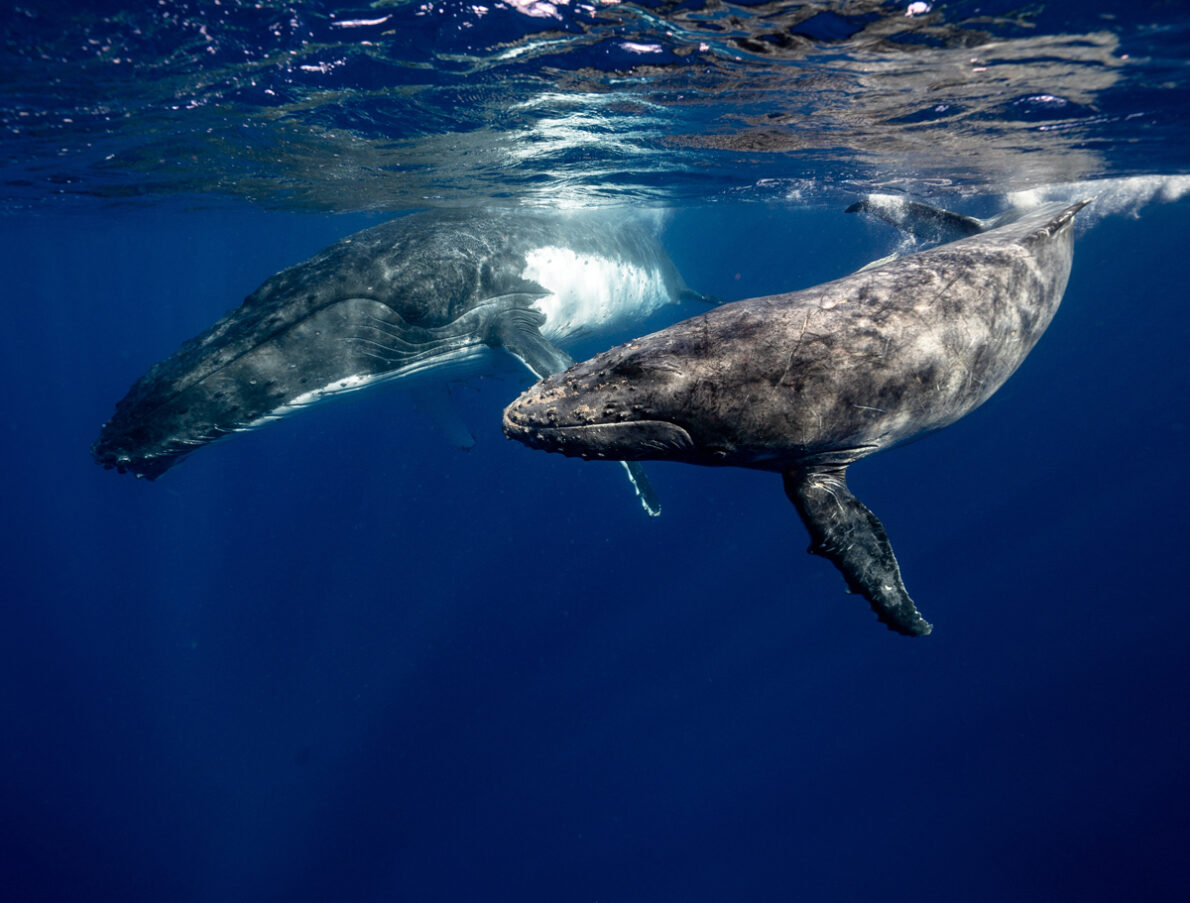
<point x="649" y="500"/>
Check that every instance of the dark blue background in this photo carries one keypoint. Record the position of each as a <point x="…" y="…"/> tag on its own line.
<point x="338" y="660"/>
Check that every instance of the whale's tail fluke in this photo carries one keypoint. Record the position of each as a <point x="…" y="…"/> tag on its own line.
<point x="928" y="225"/>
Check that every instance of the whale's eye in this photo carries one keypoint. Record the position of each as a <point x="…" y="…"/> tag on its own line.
<point x="638" y="368"/>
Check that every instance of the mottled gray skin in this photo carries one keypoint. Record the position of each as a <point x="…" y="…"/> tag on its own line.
<point x="808" y="382"/>
<point x="389" y="301"/>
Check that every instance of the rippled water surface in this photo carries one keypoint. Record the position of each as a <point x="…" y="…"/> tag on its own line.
<point x="400" y="104"/>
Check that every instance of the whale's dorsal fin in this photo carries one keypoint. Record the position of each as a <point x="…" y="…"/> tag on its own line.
<point x="852" y="537"/>
<point x="518" y="330"/>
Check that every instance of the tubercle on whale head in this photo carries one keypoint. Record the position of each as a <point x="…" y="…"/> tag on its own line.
<point x="594" y="411"/>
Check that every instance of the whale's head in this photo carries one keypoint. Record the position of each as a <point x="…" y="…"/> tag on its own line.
<point x="197" y="397"/>
<point x="255" y="367"/>
<point x="145" y="447"/>
<point x="631" y="403"/>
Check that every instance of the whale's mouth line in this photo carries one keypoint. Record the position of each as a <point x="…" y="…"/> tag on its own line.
<point x="624" y="440"/>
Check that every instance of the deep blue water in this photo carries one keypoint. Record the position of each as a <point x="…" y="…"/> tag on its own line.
<point x="336" y="659"/>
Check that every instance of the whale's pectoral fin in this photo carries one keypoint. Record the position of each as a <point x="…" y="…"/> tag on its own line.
<point x="519" y="331"/>
<point x="649" y="499"/>
<point x="845" y="531"/>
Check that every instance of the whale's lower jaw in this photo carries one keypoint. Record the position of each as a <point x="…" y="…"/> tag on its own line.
<point x="635" y="440"/>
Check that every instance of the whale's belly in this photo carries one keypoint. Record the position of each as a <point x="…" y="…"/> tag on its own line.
<point x="589" y="293"/>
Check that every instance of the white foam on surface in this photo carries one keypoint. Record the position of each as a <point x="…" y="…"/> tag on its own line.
<point x="1124" y="196"/>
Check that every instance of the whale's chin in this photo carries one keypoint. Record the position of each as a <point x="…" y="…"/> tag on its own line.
<point x="633" y="440"/>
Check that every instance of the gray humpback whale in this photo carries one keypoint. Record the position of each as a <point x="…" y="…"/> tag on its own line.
<point x="429" y="291"/>
<point x="809" y="382"/>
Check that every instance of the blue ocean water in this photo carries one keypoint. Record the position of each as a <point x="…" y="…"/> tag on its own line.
<point x="336" y="659"/>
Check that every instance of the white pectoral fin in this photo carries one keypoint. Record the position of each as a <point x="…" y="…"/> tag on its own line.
<point x="649" y="499"/>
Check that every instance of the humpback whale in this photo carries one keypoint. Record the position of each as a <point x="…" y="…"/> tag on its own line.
<point x="426" y="292"/>
<point x="807" y="383"/>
